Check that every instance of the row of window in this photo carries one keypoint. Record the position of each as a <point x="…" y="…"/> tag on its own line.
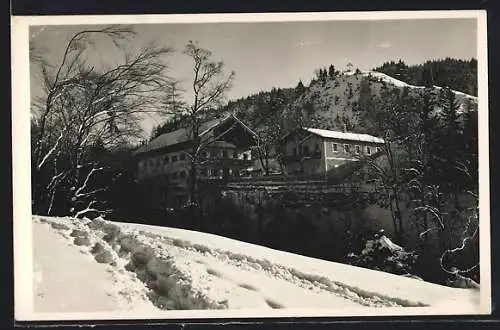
<point x="215" y="172"/>
<point x="335" y="148"/>
<point x="223" y="154"/>
<point x="357" y="148"/>
<point x="159" y="161"/>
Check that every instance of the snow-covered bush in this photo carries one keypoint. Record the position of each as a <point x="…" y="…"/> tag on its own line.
<point x="380" y="253"/>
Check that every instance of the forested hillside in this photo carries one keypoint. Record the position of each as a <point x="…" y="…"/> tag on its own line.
<point x="332" y="100"/>
<point x="336" y="100"/>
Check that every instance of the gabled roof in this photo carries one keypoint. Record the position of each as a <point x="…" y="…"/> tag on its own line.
<point x="183" y="135"/>
<point x="344" y="135"/>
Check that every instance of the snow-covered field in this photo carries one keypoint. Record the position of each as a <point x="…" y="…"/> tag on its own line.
<point x="119" y="270"/>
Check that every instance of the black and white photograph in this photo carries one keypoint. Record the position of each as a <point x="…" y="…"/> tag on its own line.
<point x="250" y="165"/>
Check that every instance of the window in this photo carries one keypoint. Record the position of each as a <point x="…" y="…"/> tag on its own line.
<point x="174" y="159"/>
<point x="368" y="150"/>
<point x="306" y="150"/>
<point x="245" y="156"/>
<point x="294" y="151"/>
<point x="174" y="175"/>
<point x="358" y="149"/>
<point x="335" y="147"/>
<point x="316" y="147"/>
<point x="166" y="159"/>
<point x="379" y="149"/>
<point x="212" y="172"/>
<point x="183" y="174"/>
<point x="235" y="154"/>
<point x="204" y="172"/>
<point x="182" y="156"/>
<point x="346" y="148"/>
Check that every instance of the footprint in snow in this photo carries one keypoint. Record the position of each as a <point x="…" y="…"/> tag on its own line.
<point x="247" y="286"/>
<point x="215" y="273"/>
<point x="273" y="304"/>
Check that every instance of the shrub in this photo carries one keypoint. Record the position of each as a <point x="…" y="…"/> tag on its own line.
<point x="380" y="253"/>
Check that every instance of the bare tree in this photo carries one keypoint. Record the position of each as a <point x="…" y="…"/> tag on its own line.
<point x="268" y="143"/>
<point x="209" y="86"/>
<point x="86" y="106"/>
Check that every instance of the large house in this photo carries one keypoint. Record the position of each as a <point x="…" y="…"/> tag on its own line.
<point x="317" y="151"/>
<point x="166" y="162"/>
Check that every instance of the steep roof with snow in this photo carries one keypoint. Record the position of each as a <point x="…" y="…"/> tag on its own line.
<point x="183" y="135"/>
<point x="344" y="135"/>
<point x="174" y="137"/>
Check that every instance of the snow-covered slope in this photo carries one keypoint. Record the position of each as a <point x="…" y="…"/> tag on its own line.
<point x="401" y="84"/>
<point x="140" y="271"/>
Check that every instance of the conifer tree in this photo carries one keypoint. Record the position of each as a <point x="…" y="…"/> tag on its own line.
<point x="331" y="72"/>
<point x="300" y="89"/>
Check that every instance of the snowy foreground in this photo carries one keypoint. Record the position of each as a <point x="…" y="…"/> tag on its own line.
<point x="141" y="271"/>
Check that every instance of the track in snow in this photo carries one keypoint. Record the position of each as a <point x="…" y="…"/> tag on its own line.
<point x="183" y="275"/>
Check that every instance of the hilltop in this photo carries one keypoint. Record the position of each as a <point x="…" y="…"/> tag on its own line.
<point x="335" y="99"/>
<point x="329" y="103"/>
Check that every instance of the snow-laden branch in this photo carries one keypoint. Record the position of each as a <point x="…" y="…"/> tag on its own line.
<point x="52" y="150"/>
<point x="78" y="192"/>
<point x="433" y="211"/>
<point x="461" y="247"/>
<point x="56" y="179"/>
<point x="90" y="208"/>
<point x="472" y="194"/>
<point x="90" y="193"/>
<point x="422" y="234"/>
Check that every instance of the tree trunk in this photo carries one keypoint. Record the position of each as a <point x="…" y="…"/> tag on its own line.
<point x="394" y="219"/>
<point x="263" y="164"/>
<point x="193" y="198"/>
<point x="399" y="216"/>
<point x="426" y="227"/>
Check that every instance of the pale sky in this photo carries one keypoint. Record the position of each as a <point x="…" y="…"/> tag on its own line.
<point x="279" y="54"/>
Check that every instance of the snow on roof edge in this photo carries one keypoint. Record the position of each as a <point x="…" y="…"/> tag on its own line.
<point x="344" y="135"/>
